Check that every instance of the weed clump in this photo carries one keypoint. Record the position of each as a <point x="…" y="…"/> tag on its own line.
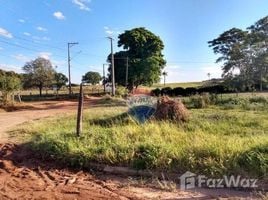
<point x="173" y="110"/>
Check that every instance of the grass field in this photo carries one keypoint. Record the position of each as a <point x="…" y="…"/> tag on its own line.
<point x="173" y="85"/>
<point x="217" y="140"/>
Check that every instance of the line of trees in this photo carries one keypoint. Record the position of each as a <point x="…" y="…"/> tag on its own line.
<point x="179" y="91"/>
<point x="38" y="73"/>
<point x="244" y="54"/>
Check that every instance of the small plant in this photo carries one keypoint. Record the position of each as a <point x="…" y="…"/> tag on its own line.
<point x="121" y="91"/>
<point x="200" y="101"/>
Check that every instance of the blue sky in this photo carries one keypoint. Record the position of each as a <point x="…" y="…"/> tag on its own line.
<point x="32" y="28"/>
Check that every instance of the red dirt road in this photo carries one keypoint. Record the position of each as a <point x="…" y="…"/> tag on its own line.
<point x="23" y="176"/>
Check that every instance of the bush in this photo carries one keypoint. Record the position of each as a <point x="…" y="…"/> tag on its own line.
<point x="167" y="91"/>
<point x="121" y="91"/>
<point x="200" y="101"/>
<point x="168" y="109"/>
<point x="179" y="91"/>
<point x="156" y="92"/>
<point x="190" y="91"/>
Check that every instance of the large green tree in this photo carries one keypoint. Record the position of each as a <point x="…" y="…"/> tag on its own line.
<point x="92" y="78"/>
<point x="143" y="51"/>
<point x="258" y="43"/>
<point x="39" y="73"/>
<point x="246" y="51"/>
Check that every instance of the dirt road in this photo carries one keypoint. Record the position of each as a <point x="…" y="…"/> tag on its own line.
<point x="23" y="176"/>
<point x="34" y="111"/>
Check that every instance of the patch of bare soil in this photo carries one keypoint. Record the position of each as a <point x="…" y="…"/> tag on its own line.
<point x="22" y="177"/>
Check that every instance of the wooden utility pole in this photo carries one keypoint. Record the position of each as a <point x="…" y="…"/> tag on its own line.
<point x="112" y="58"/>
<point x="104" y="78"/>
<point x="70" y="44"/>
<point x="127" y="73"/>
<point x="79" y="124"/>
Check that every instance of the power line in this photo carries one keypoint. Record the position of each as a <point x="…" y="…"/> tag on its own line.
<point x="37" y="43"/>
<point x="27" y="48"/>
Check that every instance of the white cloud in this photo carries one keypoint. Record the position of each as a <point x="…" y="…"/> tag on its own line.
<point x="21" y="57"/>
<point x="5" y="33"/>
<point x="59" y="63"/>
<point x="41" y="38"/>
<point x="8" y="67"/>
<point x="21" y="20"/>
<point x="59" y="15"/>
<point x="45" y="55"/>
<point x="82" y="4"/>
<point x="27" y="34"/>
<point x="109" y="31"/>
<point x="40" y="28"/>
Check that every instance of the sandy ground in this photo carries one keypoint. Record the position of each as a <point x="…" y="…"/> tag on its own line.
<point x="23" y="176"/>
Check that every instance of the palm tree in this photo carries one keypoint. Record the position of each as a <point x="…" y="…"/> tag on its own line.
<point x="164" y="74"/>
<point x="209" y="74"/>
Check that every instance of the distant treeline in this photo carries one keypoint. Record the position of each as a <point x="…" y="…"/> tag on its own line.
<point x="179" y="91"/>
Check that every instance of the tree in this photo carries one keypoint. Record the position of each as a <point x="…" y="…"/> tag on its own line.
<point x="60" y="80"/>
<point x="9" y="82"/>
<point x="258" y="45"/>
<point x="144" y="52"/>
<point x="164" y="74"/>
<point x="230" y="44"/>
<point x="39" y="73"/>
<point x="92" y="78"/>
<point x="246" y="51"/>
<point x="209" y="74"/>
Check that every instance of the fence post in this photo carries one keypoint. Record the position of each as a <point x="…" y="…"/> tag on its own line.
<point x="80" y="112"/>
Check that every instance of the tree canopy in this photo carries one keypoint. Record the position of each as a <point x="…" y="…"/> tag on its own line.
<point x="92" y="78"/>
<point x="60" y="80"/>
<point x="143" y="54"/>
<point x="39" y="73"/>
<point x="246" y="52"/>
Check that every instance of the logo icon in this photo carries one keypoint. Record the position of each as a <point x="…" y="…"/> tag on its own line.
<point x="187" y="180"/>
<point x="141" y="107"/>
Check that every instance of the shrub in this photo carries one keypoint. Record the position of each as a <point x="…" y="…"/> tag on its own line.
<point x="167" y="91"/>
<point x="156" y="92"/>
<point x="121" y="91"/>
<point x="200" y="101"/>
<point x="179" y="91"/>
<point x="168" y="109"/>
<point x="190" y="91"/>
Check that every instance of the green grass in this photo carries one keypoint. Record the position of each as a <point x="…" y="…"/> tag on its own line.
<point x="214" y="142"/>
<point x="173" y="85"/>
